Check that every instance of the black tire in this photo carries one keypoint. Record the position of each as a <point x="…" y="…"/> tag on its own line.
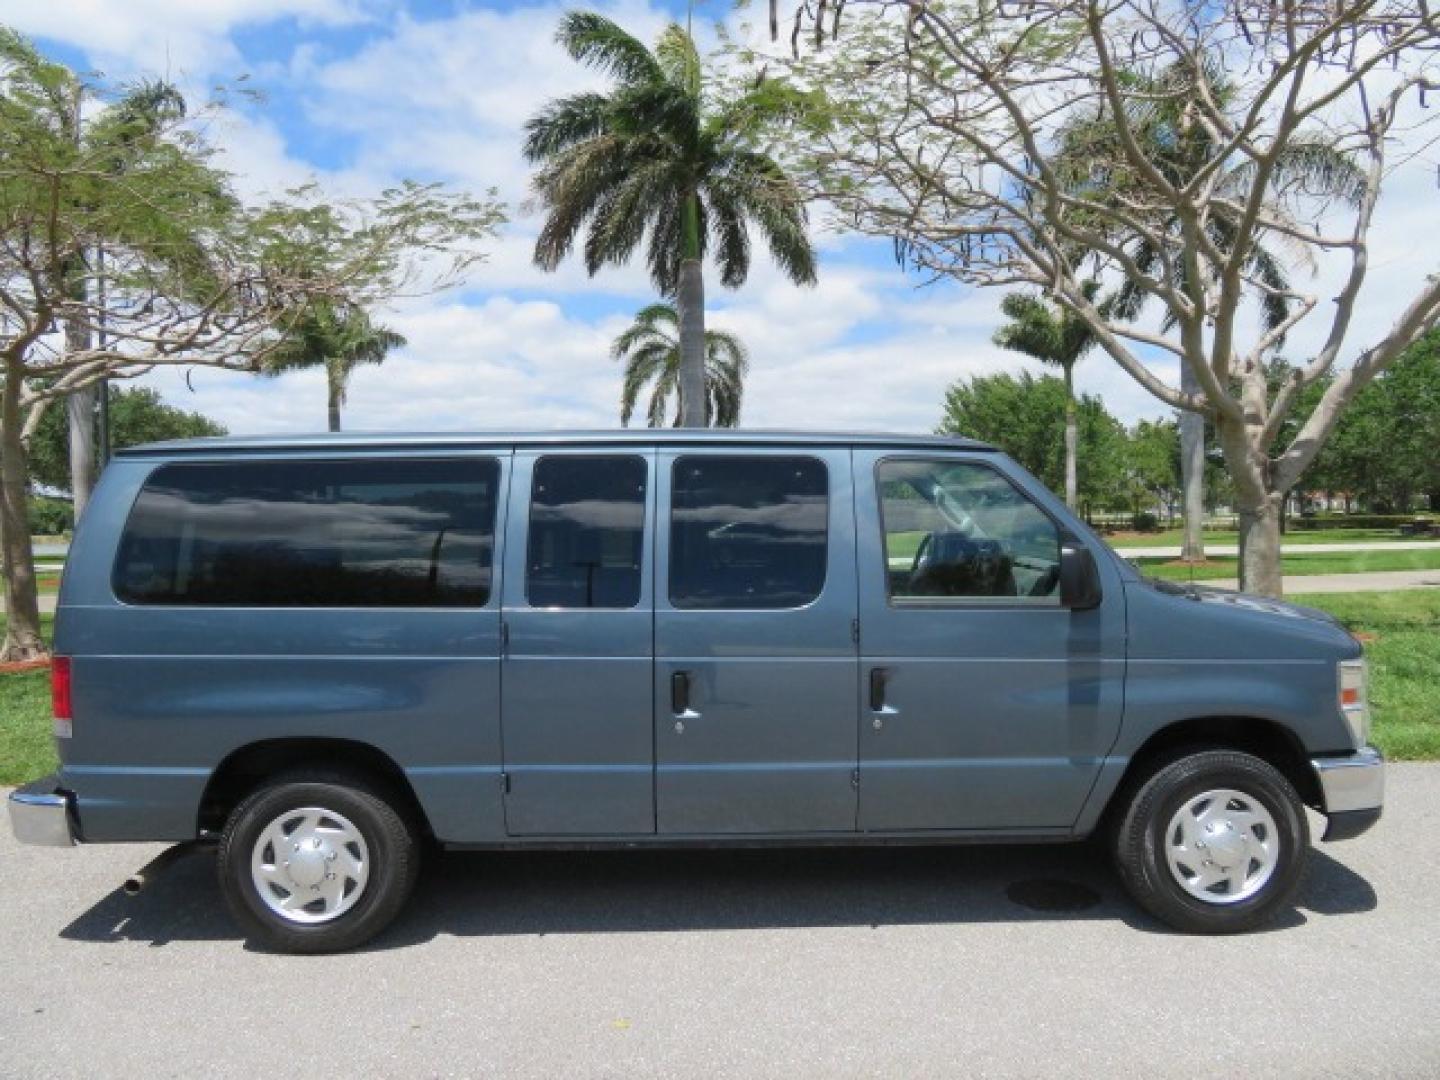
<point x="394" y="861"/>
<point x="1139" y="841"/>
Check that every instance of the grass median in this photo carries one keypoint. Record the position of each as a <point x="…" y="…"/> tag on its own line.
<point x="1401" y="631"/>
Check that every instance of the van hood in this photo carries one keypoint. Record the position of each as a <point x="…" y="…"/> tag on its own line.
<point x="1228" y="598"/>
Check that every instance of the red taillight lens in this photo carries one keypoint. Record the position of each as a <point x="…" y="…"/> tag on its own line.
<point x="1349" y="697"/>
<point x="60" y="687"/>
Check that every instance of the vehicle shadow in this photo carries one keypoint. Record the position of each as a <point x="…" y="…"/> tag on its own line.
<point x="538" y="893"/>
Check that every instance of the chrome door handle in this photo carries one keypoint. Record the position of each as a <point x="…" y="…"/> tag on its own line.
<point x="879" y="676"/>
<point x="680" y="700"/>
<point x="879" y="683"/>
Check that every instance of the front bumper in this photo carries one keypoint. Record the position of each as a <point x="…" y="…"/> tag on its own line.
<point x="42" y="814"/>
<point x="1352" y="787"/>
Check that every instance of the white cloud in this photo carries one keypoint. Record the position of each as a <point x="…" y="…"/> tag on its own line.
<point x="448" y="97"/>
<point x="169" y="37"/>
<point x="451" y="96"/>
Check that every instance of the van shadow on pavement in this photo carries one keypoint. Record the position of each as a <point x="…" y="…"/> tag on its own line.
<point x="506" y="893"/>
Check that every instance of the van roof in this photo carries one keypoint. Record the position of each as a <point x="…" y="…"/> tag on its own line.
<point x="465" y="440"/>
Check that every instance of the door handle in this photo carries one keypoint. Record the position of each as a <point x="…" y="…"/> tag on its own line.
<point x="879" y="676"/>
<point x="879" y="681"/>
<point x="680" y="693"/>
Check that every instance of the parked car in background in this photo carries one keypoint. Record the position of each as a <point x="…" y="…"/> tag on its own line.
<point x="320" y="652"/>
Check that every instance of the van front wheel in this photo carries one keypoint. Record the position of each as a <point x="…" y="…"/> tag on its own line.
<point x="1213" y="843"/>
<point x="312" y="865"/>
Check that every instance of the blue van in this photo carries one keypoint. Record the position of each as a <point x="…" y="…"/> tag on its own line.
<point x="322" y="653"/>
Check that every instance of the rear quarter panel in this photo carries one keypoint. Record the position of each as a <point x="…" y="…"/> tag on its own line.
<point x="164" y="694"/>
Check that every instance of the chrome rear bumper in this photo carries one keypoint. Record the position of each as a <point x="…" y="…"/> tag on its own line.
<point x="1353" y="789"/>
<point x="40" y="814"/>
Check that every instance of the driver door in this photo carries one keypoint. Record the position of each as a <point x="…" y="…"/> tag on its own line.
<point x="985" y="704"/>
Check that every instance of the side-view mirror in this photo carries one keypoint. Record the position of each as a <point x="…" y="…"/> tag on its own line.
<point x="1079" y="577"/>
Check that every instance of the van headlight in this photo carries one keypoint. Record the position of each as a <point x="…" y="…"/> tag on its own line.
<point x="1354" y="678"/>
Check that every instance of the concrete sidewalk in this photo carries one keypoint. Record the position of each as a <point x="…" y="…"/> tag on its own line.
<point x="1233" y="550"/>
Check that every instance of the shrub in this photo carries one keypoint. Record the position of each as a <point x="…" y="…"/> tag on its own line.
<point x="1145" y="521"/>
<point x="49" y="516"/>
<point x="1354" y="521"/>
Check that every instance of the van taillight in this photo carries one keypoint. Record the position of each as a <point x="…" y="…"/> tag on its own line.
<point x="60" y="695"/>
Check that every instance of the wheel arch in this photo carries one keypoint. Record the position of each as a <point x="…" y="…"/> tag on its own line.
<point x="1269" y="740"/>
<point x="248" y="766"/>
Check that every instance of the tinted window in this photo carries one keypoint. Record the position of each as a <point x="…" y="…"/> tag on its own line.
<point x="587" y="524"/>
<point x="747" y="532"/>
<point x="963" y="531"/>
<point x="312" y="534"/>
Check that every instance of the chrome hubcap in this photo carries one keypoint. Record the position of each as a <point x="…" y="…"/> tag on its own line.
<point x="310" y="865"/>
<point x="1222" y="846"/>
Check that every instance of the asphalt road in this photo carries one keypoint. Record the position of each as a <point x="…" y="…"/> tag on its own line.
<point x="898" y="962"/>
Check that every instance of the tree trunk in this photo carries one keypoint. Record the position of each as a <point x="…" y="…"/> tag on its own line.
<point x="690" y="305"/>
<point x="80" y="405"/>
<point x="334" y="404"/>
<point x="80" y="414"/>
<point x="1192" y="474"/>
<point x="22" y="603"/>
<point x="1072" y="441"/>
<point x="1260" y="548"/>
<point x="1259" y="506"/>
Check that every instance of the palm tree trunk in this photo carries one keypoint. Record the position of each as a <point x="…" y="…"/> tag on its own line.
<point x="80" y="405"/>
<point x="80" y="412"/>
<point x="1072" y="441"/>
<point x="1192" y="473"/>
<point x="334" y="403"/>
<point x="22" y="602"/>
<point x="690" y="305"/>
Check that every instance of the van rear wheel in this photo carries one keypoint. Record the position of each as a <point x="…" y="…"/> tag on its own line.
<point x="314" y="864"/>
<point x="1213" y="843"/>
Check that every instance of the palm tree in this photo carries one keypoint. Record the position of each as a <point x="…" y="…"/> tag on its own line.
<point x="650" y="349"/>
<point x="1052" y="335"/>
<point x="105" y="143"/>
<point x="1162" y="117"/>
<point x="656" y="154"/>
<point x="337" y="339"/>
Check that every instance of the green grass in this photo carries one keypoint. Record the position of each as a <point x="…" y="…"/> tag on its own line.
<point x="26" y="748"/>
<point x="903" y="545"/>
<point x="1321" y="562"/>
<point x="1402" y="639"/>
<point x="1174" y="537"/>
<point x="1402" y="632"/>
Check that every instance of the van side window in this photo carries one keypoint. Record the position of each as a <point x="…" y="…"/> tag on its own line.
<point x="748" y="532"/>
<point x="962" y="532"/>
<point x="358" y="533"/>
<point x="587" y="526"/>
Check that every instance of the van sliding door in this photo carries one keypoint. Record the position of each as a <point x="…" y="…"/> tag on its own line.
<point x="577" y="708"/>
<point x="755" y="662"/>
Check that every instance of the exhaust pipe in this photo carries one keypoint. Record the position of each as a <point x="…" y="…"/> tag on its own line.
<point x="151" y="870"/>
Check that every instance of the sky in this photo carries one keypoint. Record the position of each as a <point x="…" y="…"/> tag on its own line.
<point x="360" y="93"/>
